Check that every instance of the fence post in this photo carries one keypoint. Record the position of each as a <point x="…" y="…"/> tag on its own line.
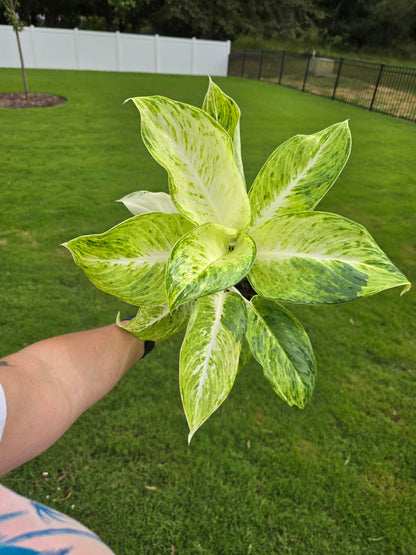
<point x="341" y="61"/>
<point x="32" y="38"/>
<point x="193" y="45"/>
<point x="282" y="63"/>
<point x="243" y="63"/>
<point x="156" y="40"/>
<point x="306" y="72"/>
<point x="118" y="51"/>
<point x="228" y="56"/>
<point x="260" y="64"/>
<point x="77" y="64"/>
<point x="376" y="87"/>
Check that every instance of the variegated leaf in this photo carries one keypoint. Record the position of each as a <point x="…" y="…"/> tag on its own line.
<point x="319" y="258"/>
<point x="299" y="173"/>
<point x="129" y="260"/>
<point x="197" y="153"/>
<point x="226" y="111"/>
<point x="156" y="322"/>
<point x="142" y="202"/>
<point x="210" y="354"/>
<point x="209" y="258"/>
<point x="281" y="346"/>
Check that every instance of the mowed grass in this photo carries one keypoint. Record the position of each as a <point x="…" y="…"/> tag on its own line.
<point x="260" y="477"/>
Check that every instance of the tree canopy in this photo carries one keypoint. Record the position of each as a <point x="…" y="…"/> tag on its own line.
<point x="350" y="23"/>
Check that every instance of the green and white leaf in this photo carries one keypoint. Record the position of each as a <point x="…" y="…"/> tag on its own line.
<point x="226" y="111"/>
<point x="202" y="262"/>
<point x="156" y="322"/>
<point x="197" y="153"/>
<point x="129" y="260"/>
<point x="281" y="346"/>
<point x="210" y="355"/>
<point x="319" y="258"/>
<point x="142" y="202"/>
<point x="299" y="173"/>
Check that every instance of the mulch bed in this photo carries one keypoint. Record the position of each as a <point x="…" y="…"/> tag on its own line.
<point x="33" y="100"/>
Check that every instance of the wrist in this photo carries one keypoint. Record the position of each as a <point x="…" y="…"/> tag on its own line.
<point x="148" y="344"/>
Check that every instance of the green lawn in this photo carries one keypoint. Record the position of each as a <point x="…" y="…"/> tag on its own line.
<point x="260" y="477"/>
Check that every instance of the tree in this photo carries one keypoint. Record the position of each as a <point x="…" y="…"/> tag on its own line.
<point x="129" y="13"/>
<point x="217" y="19"/>
<point x="229" y="19"/>
<point x="13" y="19"/>
<point x="395" y="21"/>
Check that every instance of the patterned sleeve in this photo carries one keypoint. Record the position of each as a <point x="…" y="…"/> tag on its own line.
<point x="3" y="411"/>
<point x="27" y="526"/>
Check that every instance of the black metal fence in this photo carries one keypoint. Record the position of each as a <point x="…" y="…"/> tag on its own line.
<point x="379" y="87"/>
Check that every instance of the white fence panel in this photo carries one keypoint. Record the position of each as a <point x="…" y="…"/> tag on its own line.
<point x="137" y="53"/>
<point x="96" y="50"/>
<point x="9" y="54"/>
<point x="52" y="48"/>
<point x="174" y="55"/>
<point x="209" y="56"/>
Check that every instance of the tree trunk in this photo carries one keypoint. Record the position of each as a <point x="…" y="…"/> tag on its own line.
<point x="22" y="63"/>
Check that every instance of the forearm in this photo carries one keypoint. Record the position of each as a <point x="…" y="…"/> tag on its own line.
<point x="50" y="383"/>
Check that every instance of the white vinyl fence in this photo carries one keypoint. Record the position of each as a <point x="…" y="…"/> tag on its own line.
<point x="95" y="50"/>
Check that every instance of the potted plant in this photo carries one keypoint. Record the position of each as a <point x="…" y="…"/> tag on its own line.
<point x="219" y="261"/>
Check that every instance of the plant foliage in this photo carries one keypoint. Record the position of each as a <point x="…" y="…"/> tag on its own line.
<point x="182" y="258"/>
